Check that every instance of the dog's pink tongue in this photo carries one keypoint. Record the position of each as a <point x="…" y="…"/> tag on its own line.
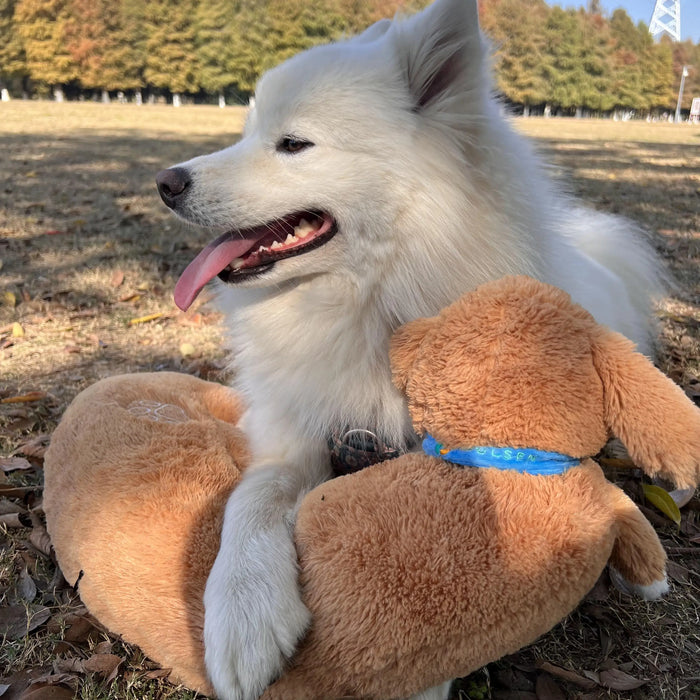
<point x="207" y="265"/>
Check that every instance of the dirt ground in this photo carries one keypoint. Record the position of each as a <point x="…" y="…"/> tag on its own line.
<point x="88" y="260"/>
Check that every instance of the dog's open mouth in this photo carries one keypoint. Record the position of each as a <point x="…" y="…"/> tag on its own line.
<point x="247" y="252"/>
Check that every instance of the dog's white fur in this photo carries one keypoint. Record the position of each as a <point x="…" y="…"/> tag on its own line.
<point x="433" y="194"/>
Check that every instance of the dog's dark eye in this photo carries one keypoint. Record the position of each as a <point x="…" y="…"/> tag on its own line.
<point x="291" y="144"/>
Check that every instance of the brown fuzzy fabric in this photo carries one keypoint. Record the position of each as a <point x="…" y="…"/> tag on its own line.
<point x="415" y="571"/>
<point x="137" y="476"/>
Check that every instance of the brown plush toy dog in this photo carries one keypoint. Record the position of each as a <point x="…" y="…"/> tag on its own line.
<point x="416" y="570"/>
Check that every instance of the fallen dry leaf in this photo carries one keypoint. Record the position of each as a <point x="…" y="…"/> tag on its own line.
<point x="11" y="520"/>
<point x="16" y="621"/>
<point x="660" y="498"/>
<point x="159" y="673"/>
<point x="15" y="491"/>
<point x="117" y="278"/>
<point x="39" y="537"/>
<point x="567" y="675"/>
<point x="69" y="665"/>
<point x="46" y="691"/>
<point x="619" y="680"/>
<point x="546" y="688"/>
<point x="7" y="507"/>
<point x="25" y="398"/>
<point x="25" y="588"/>
<point x="59" y="678"/>
<point x="79" y="628"/>
<point x="103" y="647"/>
<point x="11" y="464"/>
<point x="146" y="319"/>
<point x="36" y="447"/>
<point x="682" y="496"/>
<point x="84" y="313"/>
<point x="678" y="572"/>
<point x="105" y="665"/>
<point x="17" y="330"/>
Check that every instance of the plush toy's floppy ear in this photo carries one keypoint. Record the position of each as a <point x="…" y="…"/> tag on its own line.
<point x="440" y="50"/>
<point x="657" y="422"/>
<point x="404" y="346"/>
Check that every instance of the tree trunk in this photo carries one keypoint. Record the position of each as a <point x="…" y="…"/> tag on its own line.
<point x="222" y="100"/>
<point x="5" y="95"/>
<point x="526" y="110"/>
<point x="579" y="112"/>
<point x="105" y="97"/>
<point x="139" y="97"/>
<point x="58" y="93"/>
<point x="177" y="101"/>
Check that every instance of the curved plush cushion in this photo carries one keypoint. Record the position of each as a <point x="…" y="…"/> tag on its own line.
<point x="136" y="479"/>
<point x="415" y="571"/>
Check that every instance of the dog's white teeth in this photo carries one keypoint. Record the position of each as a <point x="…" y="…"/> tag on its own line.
<point x="303" y="229"/>
<point x="290" y="239"/>
<point x="276" y="244"/>
<point x="261" y="249"/>
<point x="237" y="263"/>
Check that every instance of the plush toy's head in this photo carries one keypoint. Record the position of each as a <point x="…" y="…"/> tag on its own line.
<point x="517" y="364"/>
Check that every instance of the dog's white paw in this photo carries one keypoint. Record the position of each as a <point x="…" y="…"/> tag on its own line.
<point x="254" y="615"/>
<point x="651" y="592"/>
<point x="439" y="692"/>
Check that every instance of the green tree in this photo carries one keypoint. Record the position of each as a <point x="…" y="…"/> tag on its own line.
<point x="562" y="64"/>
<point x="171" y="62"/>
<point x="106" y="40"/>
<point x="124" y="55"/>
<point x="594" y="92"/>
<point x="626" y="65"/>
<point x="516" y="26"/>
<point x="13" y="63"/>
<point x="657" y="64"/>
<point x="217" y="44"/>
<point x="41" y="26"/>
<point x="85" y="35"/>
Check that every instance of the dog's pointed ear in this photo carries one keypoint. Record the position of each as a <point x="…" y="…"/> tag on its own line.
<point x="657" y="422"/>
<point x="404" y="346"/>
<point x="374" y="31"/>
<point x="440" y="50"/>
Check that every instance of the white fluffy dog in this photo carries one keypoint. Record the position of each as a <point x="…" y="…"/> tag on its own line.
<point x="376" y="181"/>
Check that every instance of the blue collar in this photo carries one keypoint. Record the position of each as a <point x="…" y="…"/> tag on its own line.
<point x="526" y="461"/>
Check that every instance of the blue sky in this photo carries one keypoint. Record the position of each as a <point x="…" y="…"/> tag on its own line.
<point x="642" y="10"/>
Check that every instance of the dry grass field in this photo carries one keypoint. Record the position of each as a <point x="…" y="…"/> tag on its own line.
<point x="88" y="261"/>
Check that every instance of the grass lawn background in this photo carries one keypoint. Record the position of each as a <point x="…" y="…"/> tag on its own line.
<point x="88" y="253"/>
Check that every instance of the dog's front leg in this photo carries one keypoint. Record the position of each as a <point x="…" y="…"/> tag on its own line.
<point x="254" y="614"/>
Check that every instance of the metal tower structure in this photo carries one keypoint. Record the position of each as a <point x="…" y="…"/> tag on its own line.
<point x="666" y="19"/>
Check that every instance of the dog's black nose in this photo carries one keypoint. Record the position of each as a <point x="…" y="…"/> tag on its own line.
<point x="172" y="185"/>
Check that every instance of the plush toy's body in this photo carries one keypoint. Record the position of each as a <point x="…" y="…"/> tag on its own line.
<point x="416" y="570"/>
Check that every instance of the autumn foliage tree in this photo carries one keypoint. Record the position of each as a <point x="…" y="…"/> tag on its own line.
<point x="566" y="61"/>
<point x="41" y="26"/>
